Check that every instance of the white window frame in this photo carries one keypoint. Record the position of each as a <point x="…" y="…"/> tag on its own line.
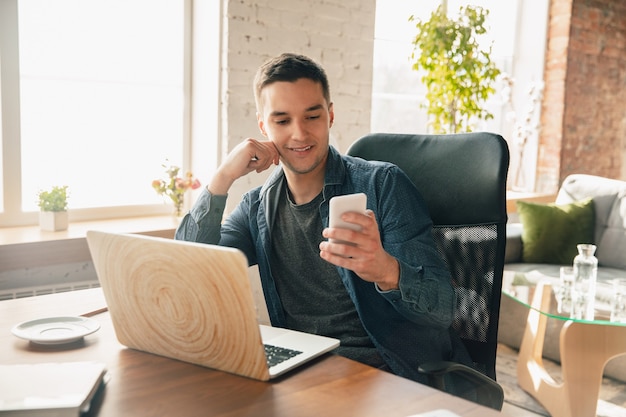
<point x="200" y="83"/>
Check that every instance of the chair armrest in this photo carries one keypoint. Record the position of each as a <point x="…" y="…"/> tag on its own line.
<point x="484" y="390"/>
<point x="514" y="246"/>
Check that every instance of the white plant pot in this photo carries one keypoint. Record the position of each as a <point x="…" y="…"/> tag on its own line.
<point x="53" y="221"/>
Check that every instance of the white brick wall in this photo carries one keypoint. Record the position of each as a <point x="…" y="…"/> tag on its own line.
<point x="339" y="34"/>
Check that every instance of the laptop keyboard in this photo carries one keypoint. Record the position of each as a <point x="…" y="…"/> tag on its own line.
<point x="277" y="354"/>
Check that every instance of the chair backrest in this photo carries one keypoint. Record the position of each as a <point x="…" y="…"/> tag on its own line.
<point x="462" y="178"/>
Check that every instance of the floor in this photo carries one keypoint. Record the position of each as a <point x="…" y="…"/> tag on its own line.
<point x="612" y="401"/>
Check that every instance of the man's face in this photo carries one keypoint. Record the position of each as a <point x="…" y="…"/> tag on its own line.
<point x="297" y="119"/>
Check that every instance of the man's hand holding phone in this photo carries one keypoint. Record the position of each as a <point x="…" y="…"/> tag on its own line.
<point x="354" y="242"/>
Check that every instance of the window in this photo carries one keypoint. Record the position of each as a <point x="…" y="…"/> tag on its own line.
<point x="94" y="96"/>
<point x="517" y="36"/>
<point x="397" y="89"/>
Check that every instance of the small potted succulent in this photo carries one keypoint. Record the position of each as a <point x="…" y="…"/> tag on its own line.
<point x="53" y="208"/>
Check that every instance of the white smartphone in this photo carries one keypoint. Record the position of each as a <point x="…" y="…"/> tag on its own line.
<point x="343" y="204"/>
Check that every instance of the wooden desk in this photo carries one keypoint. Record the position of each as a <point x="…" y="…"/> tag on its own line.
<point x="148" y="385"/>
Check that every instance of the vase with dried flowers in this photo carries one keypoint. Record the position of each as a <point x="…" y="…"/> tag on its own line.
<point x="526" y="127"/>
<point x="175" y="187"/>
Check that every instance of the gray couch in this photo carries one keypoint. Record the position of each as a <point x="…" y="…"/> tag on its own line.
<point x="610" y="238"/>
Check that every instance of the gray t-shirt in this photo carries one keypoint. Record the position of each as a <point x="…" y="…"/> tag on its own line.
<point x="311" y="291"/>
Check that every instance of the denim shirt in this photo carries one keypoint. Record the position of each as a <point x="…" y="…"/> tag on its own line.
<point x="410" y="325"/>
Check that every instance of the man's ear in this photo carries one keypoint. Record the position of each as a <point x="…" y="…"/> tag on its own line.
<point x="331" y="114"/>
<point x="260" y="123"/>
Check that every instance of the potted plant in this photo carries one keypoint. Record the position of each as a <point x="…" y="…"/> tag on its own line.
<point x="53" y="208"/>
<point x="458" y="75"/>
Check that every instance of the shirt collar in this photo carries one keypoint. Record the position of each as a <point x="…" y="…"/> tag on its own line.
<point x="335" y="172"/>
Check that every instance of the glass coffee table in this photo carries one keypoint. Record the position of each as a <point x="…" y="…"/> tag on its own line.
<point x="585" y="345"/>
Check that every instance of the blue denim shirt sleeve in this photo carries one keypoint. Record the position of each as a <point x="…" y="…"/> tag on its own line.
<point x="202" y="222"/>
<point x="425" y="295"/>
<point x="426" y="303"/>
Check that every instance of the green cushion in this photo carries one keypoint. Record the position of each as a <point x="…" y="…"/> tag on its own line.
<point x="551" y="232"/>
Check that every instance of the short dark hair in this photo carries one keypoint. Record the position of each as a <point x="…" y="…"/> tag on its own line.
<point x="289" y="67"/>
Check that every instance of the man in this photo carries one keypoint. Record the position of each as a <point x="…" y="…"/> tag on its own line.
<point x="388" y="296"/>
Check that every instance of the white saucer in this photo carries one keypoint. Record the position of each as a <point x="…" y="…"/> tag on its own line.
<point x="55" y="330"/>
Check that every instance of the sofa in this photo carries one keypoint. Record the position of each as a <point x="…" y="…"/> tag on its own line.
<point x="543" y="237"/>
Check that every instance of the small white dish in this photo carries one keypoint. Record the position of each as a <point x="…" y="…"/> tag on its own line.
<point x="55" y="330"/>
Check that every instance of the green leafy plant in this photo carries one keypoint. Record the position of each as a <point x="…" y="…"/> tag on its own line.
<point x="54" y="199"/>
<point x="459" y="76"/>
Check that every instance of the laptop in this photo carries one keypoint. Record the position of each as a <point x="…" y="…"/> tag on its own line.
<point x="193" y="302"/>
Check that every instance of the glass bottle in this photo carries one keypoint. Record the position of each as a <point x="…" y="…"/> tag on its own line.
<point x="585" y="273"/>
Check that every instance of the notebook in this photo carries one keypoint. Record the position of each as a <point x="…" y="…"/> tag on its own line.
<point x="193" y="302"/>
<point x="55" y="389"/>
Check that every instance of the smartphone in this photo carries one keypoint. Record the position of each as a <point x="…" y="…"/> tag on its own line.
<point x="343" y="204"/>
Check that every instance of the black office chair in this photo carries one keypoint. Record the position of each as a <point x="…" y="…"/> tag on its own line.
<point x="462" y="178"/>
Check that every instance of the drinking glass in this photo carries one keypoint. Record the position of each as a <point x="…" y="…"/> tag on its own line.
<point x="564" y="293"/>
<point x="581" y="299"/>
<point x="618" y="301"/>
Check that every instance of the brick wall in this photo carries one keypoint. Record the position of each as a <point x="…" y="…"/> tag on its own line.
<point x="337" y="33"/>
<point x="583" y="123"/>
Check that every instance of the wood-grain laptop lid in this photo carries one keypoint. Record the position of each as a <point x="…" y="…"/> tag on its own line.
<point x="180" y="300"/>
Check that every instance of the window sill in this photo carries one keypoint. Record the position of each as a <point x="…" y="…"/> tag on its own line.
<point x="512" y="197"/>
<point x="27" y="247"/>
